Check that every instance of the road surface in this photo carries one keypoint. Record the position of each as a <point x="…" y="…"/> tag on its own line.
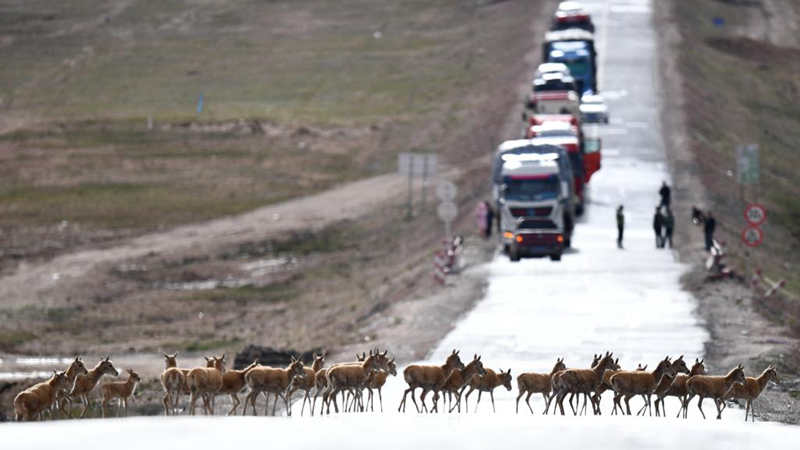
<point x="597" y="298"/>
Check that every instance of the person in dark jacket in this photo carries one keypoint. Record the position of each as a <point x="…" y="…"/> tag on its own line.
<point x="666" y="194"/>
<point x="620" y="226"/>
<point x="489" y="219"/>
<point x="658" y="223"/>
<point x="669" y="227"/>
<point x="708" y="226"/>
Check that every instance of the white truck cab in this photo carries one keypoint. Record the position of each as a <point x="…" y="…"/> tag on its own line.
<point x="532" y="200"/>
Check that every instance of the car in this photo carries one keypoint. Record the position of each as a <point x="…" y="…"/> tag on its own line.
<point x="572" y="14"/>
<point x="593" y="109"/>
<point x="551" y="68"/>
<point x="552" y="129"/>
<point x="554" y="82"/>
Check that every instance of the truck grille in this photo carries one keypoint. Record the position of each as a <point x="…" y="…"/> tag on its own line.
<point x="542" y="211"/>
<point x="537" y="224"/>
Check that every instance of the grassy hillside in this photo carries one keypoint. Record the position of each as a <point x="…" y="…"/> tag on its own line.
<point x="99" y="112"/>
<point x="742" y="87"/>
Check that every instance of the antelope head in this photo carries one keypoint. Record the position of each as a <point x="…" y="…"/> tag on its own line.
<point x="679" y="365"/>
<point x="453" y="361"/>
<point x="698" y="368"/>
<point x="170" y="360"/>
<point x="107" y="367"/>
<point x="505" y="377"/>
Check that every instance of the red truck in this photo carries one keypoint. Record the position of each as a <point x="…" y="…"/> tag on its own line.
<point x="564" y="130"/>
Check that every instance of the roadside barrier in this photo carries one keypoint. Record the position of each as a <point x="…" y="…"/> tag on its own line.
<point x="448" y="259"/>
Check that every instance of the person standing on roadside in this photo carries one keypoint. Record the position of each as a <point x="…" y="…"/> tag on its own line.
<point x="666" y="194"/>
<point x="669" y="227"/>
<point x="489" y="219"/>
<point x="708" y="226"/>
<point x="620" y="226"/>
<point x="658" y="222"/>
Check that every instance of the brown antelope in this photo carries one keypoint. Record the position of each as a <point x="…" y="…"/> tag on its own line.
<point x="716" y="387"/>
<point x="678" y="366"/>
<point x="307" y="382"/>
<point x="631" y="383"/>
<point x="377" y="380"/>
<point x="613" y="368"/>
<point x="455" y="384"/>
<point x="487" y="383"/>
<point x="582" y="381"/>
<point x="271" y="380"/>
<point x="352" y="377"/>
<point x="321" y="380"/>
<point x="532" y="382"/>
<point x="62" y="402"/>
<point x="752" y="388"/>
<point x="555" y="383"/>
<point x="173" y="380"/>
<point x="233" y="383"/>
<point x="30" y="403"/>
<point x="678" y="387"/>
<point x="86" y="382"/>
<point x="606" y="385"/>
<point x="121" y="390"/>
<point x="205" y="382"/>
<point x="427" y="378"/>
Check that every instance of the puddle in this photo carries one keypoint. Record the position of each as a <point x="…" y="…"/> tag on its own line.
<point x="13" y="376"/>
<point x="21" y="367"/>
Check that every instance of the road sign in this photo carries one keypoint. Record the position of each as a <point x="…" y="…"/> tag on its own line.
<point x="447" y="211"/>
<point x="747" y="164"/>
<point x="752" y="236"/>
<point x="446" y="191"/>
<point x="417" y="164"/>
<point x="755" y="214"/>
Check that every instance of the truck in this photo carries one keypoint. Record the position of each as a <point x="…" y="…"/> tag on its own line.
<point x="583" y="153"/>
<point x="575" y="48"/>
<point x="532" y="189"/>
<point x="554" y="93"/>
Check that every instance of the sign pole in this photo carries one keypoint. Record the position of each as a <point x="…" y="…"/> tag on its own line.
<point x="424" y="179"/>
<point x="410" y="189"/>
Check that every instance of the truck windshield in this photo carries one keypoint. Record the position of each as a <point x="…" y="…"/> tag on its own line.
<point x="531" y="189"/>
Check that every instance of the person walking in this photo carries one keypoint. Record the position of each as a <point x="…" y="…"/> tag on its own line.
<point x="658" y="222"/>
<point x="489" y="219"/>
<point x="620" y="226"/>
<point x="666" y="194"/>
<point x="669" y="227"/>
<point x="480" y="217"/>
<point x="708" y="227"/>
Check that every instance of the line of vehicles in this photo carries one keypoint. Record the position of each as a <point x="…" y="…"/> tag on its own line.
<point x="539" y="181"/>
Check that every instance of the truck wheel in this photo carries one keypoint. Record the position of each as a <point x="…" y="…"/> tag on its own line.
<point x="555" y="257"/>
<point x="568" y="243"/>
<point x="513" y="254"/>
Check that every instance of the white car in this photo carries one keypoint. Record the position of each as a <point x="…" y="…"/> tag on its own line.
<point x="593" y="109"/>
<point x="570" y="7"/>
<point x="551" y="68"/>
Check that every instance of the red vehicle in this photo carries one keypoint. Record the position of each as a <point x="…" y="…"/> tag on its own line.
<point x="554" y="102"/>
<point x="571" y="14"/>
<point x="585" y="155"/>
<point x="540" y="119"/>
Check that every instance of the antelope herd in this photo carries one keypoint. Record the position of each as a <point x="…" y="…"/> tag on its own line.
<point x="369" y="372"/>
